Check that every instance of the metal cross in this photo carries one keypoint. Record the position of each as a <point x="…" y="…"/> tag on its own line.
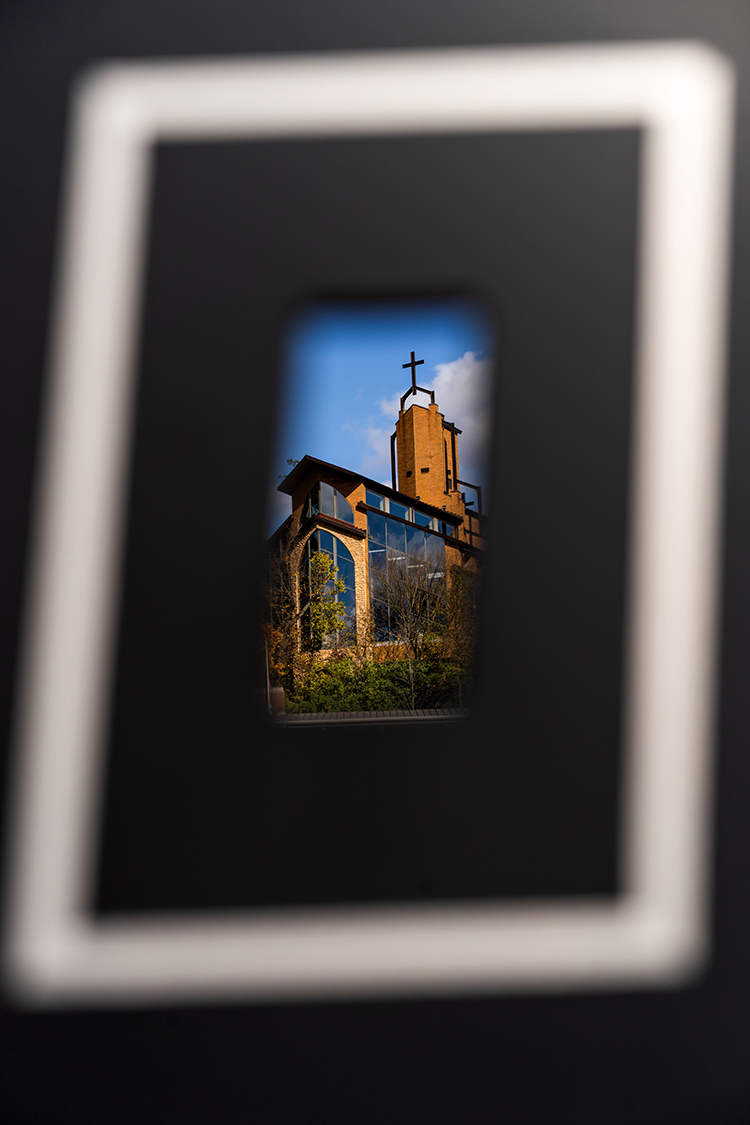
<point x="414" y="364"/>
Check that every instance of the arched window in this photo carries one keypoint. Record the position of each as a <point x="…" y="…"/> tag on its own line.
<point x="323" y="541"/>
<point x="326" y="500"/>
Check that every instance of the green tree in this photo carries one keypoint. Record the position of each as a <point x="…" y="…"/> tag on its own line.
<point x="302" y="610"/>
<point x="327" y="615"/>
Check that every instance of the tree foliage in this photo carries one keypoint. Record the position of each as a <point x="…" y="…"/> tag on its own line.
<point x="416" y="651"/>
<point x="345" y="683"/>
<point x="302" y="611"/>
<point x="326" y="615"/>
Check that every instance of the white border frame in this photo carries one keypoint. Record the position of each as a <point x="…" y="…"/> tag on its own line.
<point x="681" y="95"/>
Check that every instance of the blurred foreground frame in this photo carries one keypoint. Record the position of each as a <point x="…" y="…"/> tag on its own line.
<point x="656" y="932"/>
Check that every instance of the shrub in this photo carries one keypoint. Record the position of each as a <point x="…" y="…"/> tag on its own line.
<point x="343" y="685"/>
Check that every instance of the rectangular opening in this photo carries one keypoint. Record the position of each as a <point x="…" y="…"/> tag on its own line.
<point x="373" y="583"/>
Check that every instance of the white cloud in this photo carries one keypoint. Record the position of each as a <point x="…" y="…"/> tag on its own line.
<point x="379" y="440"/>
<point x="390" y="406"/>
<point x="462" y="390"/>
<point x="377" y="458"/>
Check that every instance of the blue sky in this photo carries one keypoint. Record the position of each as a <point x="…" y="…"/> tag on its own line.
<point x="343" y="378"/>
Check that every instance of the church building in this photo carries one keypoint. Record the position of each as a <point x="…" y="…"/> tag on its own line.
<point x="424" y="518"/>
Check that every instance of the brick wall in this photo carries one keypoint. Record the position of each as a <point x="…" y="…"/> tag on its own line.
<point x="423" y="448"/>
<point x="421" y="457"/>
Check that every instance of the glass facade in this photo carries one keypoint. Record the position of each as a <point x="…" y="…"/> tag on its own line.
<point x="418" y="554"/>
<point x="419" y="557"/>
<point x="323" y="541"/>
<point x="326" y="500"/>
<point x="421" y="519"/>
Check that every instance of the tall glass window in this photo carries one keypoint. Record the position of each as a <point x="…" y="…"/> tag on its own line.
<point x="415" y="555"/>
<point x="396" y="535"/>
<point x="434" y="555"/>
<point x="324" y="499"/>
<point x="323" y="541"/>
<point x="414" y="541"/>
<point x="327" y="499"/>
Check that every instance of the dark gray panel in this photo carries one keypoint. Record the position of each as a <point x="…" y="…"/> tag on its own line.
<point x="207" y="804"/>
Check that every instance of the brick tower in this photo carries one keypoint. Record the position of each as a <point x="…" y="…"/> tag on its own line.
<point x="427" y="452"/>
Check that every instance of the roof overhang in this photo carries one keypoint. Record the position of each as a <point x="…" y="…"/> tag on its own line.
<point x="312" y="467"/>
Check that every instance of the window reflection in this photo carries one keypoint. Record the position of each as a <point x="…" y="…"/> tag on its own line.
<point x="327" y="499"/>
<point x="373" y="499"/>
<point x="401" y="511"/>
<point x="376" y="529"/>
<point x="414" y="540"/>
<point x="420" y="556"/>
<point x="325" y="542"/>
<point x="396" y="534"/>
<point x="324" y="499"/>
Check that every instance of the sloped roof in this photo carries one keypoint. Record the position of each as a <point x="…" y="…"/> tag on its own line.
<point x="311" y="464"/>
